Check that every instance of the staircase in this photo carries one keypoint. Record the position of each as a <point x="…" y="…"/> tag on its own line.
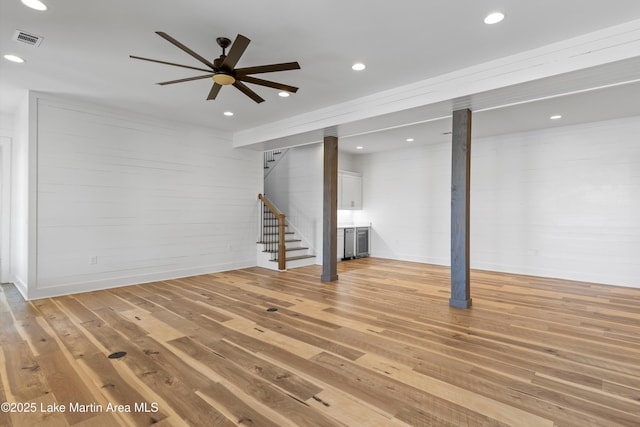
<point x="296" y="255"/>
<point x="271" y="159"/>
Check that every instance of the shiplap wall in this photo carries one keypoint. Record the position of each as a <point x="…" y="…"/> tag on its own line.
<point x="21" y="246"/>
<point x="561" y="202"/>
<point x="125" y="199"/>
<point x="6" y="133"/>
<point x="5" y="209"/>
<point x="407" y="198"/>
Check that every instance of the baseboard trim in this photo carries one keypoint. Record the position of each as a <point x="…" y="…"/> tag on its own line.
<point x="21" y="287"/>
<point x="117" y="282"/>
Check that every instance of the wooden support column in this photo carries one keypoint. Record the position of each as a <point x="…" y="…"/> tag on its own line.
<point x="460" y="197"/>
<point x="330" y="211"/>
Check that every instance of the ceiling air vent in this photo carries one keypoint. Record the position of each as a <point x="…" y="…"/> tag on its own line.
<point x="28" y="38"/>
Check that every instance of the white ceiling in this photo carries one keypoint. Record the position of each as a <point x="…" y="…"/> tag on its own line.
<point x="590" y="106"/>
<point x="86" y="48"/>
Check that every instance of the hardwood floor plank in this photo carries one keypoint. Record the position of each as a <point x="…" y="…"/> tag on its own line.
<point x="376" y="375"/>
<point x="282" y="378"/>
<point x="623" y="391"/>
<point x="251" y="329"/>
<point x="40" y="418"/>
<point x="351" y="411"/>
<point x="234" y="408"/>
<point x="258" y="390"/>
<point x="294" y="329"/>
<point x="229" y="405"/>
<point x="5" y="419"/>
<point x="379" y="347"/>
<point x="8" y="332"/>
<point x="66" y="331"/>
<point x="151" y="325"/>
<point x="66" y="385"/>
<point x="25" y="379"/>
<point x="171" y="389"/>
<point x="617" y="409"/>
<point x="118" y="390"/>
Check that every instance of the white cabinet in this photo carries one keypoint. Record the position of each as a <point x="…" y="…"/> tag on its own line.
<point x="349" y="190"/>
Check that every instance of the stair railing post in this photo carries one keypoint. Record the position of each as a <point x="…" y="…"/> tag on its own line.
<point x="282" y="252"/>
<point x="261" y="220"/>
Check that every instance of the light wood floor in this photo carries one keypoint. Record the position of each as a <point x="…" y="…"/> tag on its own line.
<point x="380" y="347"/>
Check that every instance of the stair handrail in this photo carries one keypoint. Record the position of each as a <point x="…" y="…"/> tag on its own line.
<point x="282" y="252"/>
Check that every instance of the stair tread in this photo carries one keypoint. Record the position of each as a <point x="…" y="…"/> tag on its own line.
<point x="276" y="242"/>
<point x="297" y="248"/>
<point x="293" y="258"/>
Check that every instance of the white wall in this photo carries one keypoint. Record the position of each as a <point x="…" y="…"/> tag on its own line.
<point x="5" y="209"/>
<point x="6" y="124"/>
<point x="22" y="209"/>
<point x="407" y="197"/>
<point x="562" y="202"/>
<point x="124" y="199"/>
<point x="295" y="187"/>
<point x="6" y="133"/>
<point x="349" y="162"/>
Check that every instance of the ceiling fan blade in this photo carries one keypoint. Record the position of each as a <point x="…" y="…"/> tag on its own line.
<point x="267" y="83"/>
<point x="251" y="94"/>
<point x="170" y="63"/>
<point x="185" y="48"/>
<point x="188" y="79"/>
<point x="214" y="91"/>
<point x="285" y="66"/>
<point x="235" y="52"/>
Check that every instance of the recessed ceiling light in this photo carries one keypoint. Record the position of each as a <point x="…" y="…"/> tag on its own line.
<point x="284" y="94"/>
<point x="228" y="113"/>
<point x="358" y="66"/>
<point x="359" y="147"/>
<point x="34" y="4"/>
<point x="494" y="18"/>
<point x="556" y="117"/>
<point x="14" y="58"/>
<point x="410" y="139"/>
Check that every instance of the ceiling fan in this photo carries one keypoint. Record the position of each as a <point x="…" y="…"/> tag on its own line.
<point x="222" y="68"/>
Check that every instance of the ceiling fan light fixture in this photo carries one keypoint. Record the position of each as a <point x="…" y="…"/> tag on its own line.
<point x="284" y="94"/>
<point x="224" y="79"/>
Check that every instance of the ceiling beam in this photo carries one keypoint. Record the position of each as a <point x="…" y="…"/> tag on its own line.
<point x="491" y="84"/>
